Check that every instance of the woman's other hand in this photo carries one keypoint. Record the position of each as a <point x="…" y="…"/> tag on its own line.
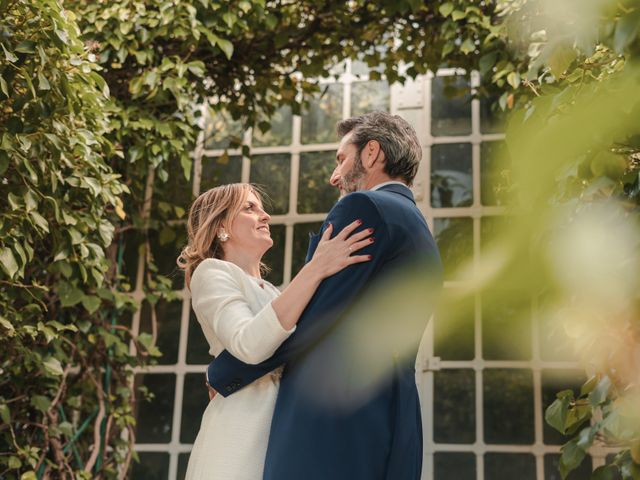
<point x="335" y="254"/>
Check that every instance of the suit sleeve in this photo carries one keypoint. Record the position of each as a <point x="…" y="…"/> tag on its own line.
<point x="228" y="374"/>
<point x="219" y="302"/>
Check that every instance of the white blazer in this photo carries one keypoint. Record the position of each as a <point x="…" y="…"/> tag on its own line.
<point x="235" y="313"/>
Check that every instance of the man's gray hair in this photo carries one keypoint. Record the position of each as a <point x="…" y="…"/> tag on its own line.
<point x="398" y="140"/>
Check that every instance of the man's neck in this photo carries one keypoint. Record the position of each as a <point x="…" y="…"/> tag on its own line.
<point x="375" y="180"/>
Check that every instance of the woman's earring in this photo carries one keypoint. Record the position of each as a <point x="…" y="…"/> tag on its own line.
<point x="223" y="236"/>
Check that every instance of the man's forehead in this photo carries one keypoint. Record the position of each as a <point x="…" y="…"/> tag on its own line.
<point x="345" y="145"/>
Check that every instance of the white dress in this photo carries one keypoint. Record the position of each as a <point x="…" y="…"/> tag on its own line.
<point x="235" y="313"/>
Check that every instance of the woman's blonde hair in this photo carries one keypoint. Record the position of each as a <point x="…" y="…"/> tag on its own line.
<point x="212" y="209"/>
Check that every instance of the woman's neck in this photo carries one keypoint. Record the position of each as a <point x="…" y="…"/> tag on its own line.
<point x="250" y="265"/>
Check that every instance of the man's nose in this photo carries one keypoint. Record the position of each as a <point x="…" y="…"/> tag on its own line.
<point x="335" y="178"/>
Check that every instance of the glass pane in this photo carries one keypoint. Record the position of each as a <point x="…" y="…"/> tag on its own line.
<point x="154" y="418"/>
<point x="166" y="245"/>
<point x="492" y="118"/>
<point x="508" y="407"/>
<point x="506" y="325"/>
<point x="413" y="116"/>
<point x="220" y="171"/>
<point x="280" y="133"/>
<point x="274" y="258"/>
<point x="133" y="245"/>
<point x="152" y="466"/>
<point x="173" y="196"/>
<point x="450" y="106"/>
<point x="183" y="461"/>
<point x="197" y="345"/>
<point x="369" y="96"/>
<point x="194" y="402"/>
<point x="220" y="129"/>
<point x="454" y="413"/>
<point x="494" y="173"/>
<point x="451" y="175"/>
<point x="168" y="316"/>
<point x="554" y="381"/>
<point x="502" y="466"/>
<point x="315" y="193"/>
<point x="454" y="332"/>
<point x="359" y="68"/>
<point x="301" y="234"/>
<point x="273" y="174"/>
<point x="455" y="242"/>
<point x="458" y="466"/>
<point x="320" y="118"/>
<point x="551" y="472"/>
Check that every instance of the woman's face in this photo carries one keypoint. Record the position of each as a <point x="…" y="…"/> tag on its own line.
<point x="249" y="231"/>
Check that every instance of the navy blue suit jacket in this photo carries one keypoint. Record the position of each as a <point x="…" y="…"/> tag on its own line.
<point x="348" y="405"/>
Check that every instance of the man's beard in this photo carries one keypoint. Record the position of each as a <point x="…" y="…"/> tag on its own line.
<point x="352" y="181"/>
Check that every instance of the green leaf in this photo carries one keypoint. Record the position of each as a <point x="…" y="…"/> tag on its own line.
<point x="66" y="428"/>
<point x="8" y="262"/>
<point x="62" y="35"/>
<point x="197" y="68"/>
<point x="69" y="294"/>
<point x="467" y="46"/>
<point x="589" y="385"/>
<point x="26" y="46"/>
<point x="513" y="79"/>
<point x="53" y="366"/>
<point x="28" y="476"/>
<point x="605" y="472"/>
<point x="14" y="463"/>
<point x="487" y="62"/>
<point x="4" y="161"/>
<point x="560" y="60"/>
<point x="43" y="83"/>
<point x="4" y="88"/>
<point x="41" y="402"/>
<point x="91" y="303"/>
<point x="556" y="413"/>
<point x="5" y="413"/>
<point x="9" y="55"/>
<point x="599" y="394"/>
<point x="229" y="18"/>
<point x="39" y="221"/>
<point x="226" y="46"/>
<point x="445" y="9"/>
<point x="457" y="15"/>
<point x="6" y="324"/>
<point x="571" y="458"/>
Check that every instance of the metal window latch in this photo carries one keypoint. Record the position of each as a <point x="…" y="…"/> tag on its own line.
<point x="431" y="364"/>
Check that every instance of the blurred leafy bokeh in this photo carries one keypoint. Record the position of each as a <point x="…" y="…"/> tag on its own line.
<point x="100" y="101"/>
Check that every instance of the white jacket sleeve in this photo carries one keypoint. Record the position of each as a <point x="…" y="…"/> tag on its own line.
<point x="218" y="301"/>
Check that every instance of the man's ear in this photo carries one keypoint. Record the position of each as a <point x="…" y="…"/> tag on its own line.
<point x="371" y="153"/>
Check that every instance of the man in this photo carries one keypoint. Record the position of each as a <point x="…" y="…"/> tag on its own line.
<point x="348" y="406"/>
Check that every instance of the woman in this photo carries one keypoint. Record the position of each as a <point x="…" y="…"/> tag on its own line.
<point x="247" y="316"/>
